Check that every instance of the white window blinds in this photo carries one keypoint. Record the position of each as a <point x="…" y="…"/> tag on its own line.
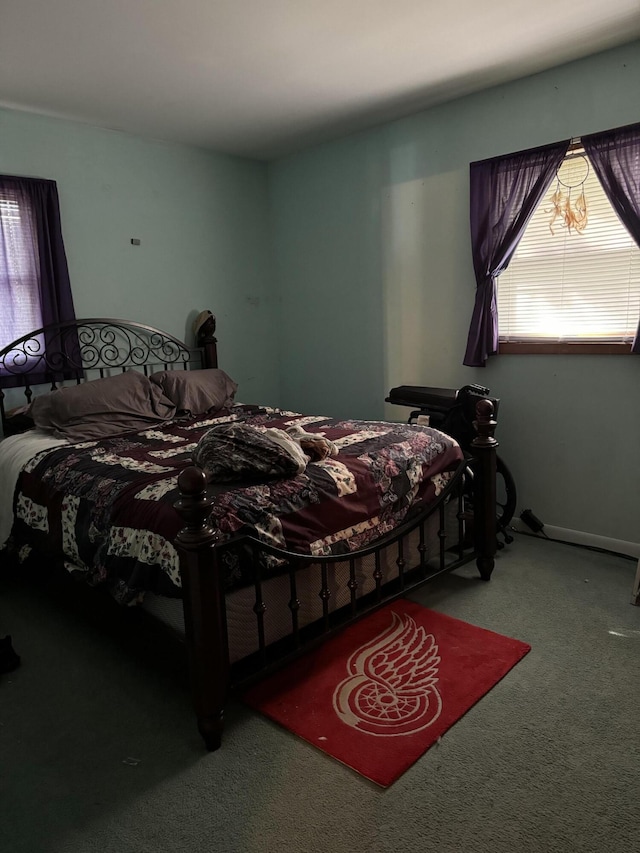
<point x="566" y="285"/>
<point x="19" y="268"/>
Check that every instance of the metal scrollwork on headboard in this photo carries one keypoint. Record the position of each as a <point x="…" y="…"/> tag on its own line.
<point x="104" y="345"/>
<point x="67" y="351"/>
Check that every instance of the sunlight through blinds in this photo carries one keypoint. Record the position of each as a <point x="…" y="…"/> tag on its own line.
<point x="570" y="285"/>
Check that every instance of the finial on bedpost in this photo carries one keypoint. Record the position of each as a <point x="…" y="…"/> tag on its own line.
<point x="483" y="448"/>
<point x="485" y="425"/>
<point x="194" y="507"/>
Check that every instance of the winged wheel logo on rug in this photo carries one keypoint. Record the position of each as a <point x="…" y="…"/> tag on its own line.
<point x="391" y="689"/>
<point x="378" y="694"/>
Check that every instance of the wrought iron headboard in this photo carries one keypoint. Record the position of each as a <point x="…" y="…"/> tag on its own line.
<point x="79" y="350"/>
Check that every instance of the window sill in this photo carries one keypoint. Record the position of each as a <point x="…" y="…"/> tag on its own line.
<point x="526" y="348"/>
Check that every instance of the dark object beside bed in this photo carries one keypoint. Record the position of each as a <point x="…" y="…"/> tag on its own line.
<point x="101" y="348"/>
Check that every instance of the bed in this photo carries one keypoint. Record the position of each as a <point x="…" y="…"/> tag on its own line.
<point x="253" y="532"/>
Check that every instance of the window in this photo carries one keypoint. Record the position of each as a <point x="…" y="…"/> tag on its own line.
<point x="505" y="192"/>
<point x="34" y="280"/>
<point x="19" y="267"/>
<point x="574" y="279"/>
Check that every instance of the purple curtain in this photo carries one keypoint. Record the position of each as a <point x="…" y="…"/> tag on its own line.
<point x="504" y="195"/>
<point x="33" y="256"/>
<point x="615" y="155"/>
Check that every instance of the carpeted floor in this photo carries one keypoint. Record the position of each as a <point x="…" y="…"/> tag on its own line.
<point x="99" y="752"/>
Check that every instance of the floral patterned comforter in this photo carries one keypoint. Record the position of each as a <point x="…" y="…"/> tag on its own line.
<point x="106" y="507"/>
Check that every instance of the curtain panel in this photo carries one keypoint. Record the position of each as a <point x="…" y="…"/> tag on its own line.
<point x="615" y="156"/>
<point x="34" y="277"/>
<point x="504" y="192"/>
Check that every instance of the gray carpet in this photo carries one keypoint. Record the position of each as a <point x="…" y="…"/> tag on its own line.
<point x="99" y="752"/>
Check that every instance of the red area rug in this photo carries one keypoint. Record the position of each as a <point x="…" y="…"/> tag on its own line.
<point x="379" y="694"/>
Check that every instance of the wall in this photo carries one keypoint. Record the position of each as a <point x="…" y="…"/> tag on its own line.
<point x="375" y="284"/>
<point x="202" y="220"/>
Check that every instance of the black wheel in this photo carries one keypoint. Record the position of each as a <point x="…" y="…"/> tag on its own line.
<point x="506" y="496"/>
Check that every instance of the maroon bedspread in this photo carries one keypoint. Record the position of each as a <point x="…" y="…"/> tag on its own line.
<point x="106" y="507"/>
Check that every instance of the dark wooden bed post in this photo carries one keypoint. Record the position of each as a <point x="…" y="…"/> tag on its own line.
<point x="484" y="447"/>
<point x="204" y="608"/>
<point x="210" y="346"/>
<point x="206" y="338"/>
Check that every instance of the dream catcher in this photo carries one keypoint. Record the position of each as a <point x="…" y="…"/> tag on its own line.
<point x="568" y="203"/>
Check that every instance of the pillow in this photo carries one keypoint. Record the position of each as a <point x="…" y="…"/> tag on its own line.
<point x="197" y="391"/>
<point x="121" y="403"/>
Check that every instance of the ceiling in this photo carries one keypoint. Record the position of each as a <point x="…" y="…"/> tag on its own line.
<point x="263" y="78"/>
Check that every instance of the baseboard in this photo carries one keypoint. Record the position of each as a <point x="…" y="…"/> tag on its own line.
<point x="580" y="537"/>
